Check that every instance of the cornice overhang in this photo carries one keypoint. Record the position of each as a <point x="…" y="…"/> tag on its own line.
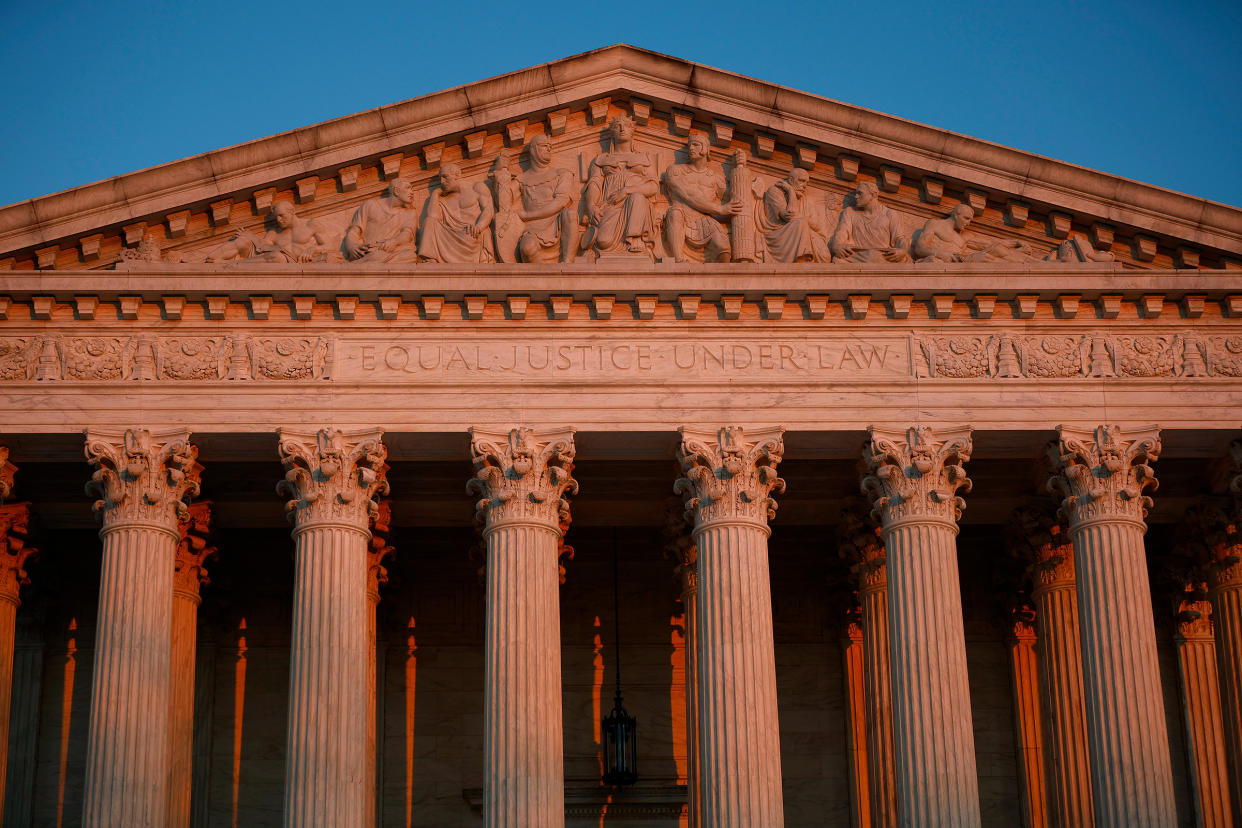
<point x="788" y="115"/>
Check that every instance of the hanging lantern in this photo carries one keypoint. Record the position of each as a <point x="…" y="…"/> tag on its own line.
<point x="619" y="729"/>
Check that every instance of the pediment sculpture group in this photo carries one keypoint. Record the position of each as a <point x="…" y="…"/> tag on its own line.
<point x="716" y="213"/>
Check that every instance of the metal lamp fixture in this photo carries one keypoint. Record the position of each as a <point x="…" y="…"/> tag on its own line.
<point x="620" y="730"/>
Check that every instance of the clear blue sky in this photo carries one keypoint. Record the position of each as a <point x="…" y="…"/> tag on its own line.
<point x="1149" y="90"/>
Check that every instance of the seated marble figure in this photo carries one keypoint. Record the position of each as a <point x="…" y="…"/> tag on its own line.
<point x="792" y="230"/>
<point x="619" y="189"/>
<point x="458" y="217"/>
<point x="292" y="239"/>
<point x="697" y="205"/>
<point x="383" y="228"/>
<point x="869" y="231"/>
<point x="535" y="215"/>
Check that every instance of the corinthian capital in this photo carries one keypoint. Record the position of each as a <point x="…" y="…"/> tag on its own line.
<point x="1102" y="473"/>
<point x="14" y="520"/>
<point x="522" y="477"/>
<point x="859" y="544"/>
<point x="190" y="569"/>
<point x="1040" y="541"/>
<point x="332" y="476"/>
<point x="141" y="476"/>
<point x="915" y="474"/>
<point x="726" y="477"/>
<point x="379" y="548"/>
<point x="7" y="470"/>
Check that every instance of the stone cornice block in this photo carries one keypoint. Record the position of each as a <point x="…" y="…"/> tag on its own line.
<point x="1232" y="305"/>
<point x="899" y="305"/>
<point x="348" y="177"/>
<point x="816" y="306"/>
<point x="129" y="306"/>
<point x="722" y="132"/>
<point x="888" y="178"/>
<point x="557" y="119"/>
<point x="1143" y="247"/>
<point x="1151" y="305"/>
<point x="559" y="306"/>
<point x="89" y="245"/>
<point x="846" y="167"/>
<point x="601" y="306"/>
<point x="1067" y="305"/>
<point x="730" y="306"/>
<point x="46" y="256"/>
<point x="765" y="145"/>
<point x="515" y="132"/>
<point x="516" y="305"/>
<point x="41" y="307"/>
<point x="645" y="306"/>
<point x="597" y="110"/>
<point x="1109" y="305"/>
<point x="220" y="213"/>
<point x="389" y="307"/>
<point x="1101" y="235"/>
<point x="177" y="223"/>
<point x="85" y="306"/>
<point x="133" y="232"/>
<point x="977" y="199"/>
<point x="1016" y="213"/>
<point x="173" y="306"/>
<point x="303" y="307"/>
<point x="983" y="305"/>
<point x="681" y="121"/>
<point x="1024" y="305"/>
<point x="346" y="307"/>
<point x="931" y="190"/>
<point x="263" y="200"/>
<point x="1185" y="258"/>
<point x="773" y="306"/>
<point x="805" y="155"/>
<point x="260" y="306"/>
<point x="5" y="303"/>
<point x="432" y="153"/>
<point x="217" y="307"/>
<point x="474" y="306"/>
<point x="432" y="306"/>
<point x="688" y="306"/>
<point x="857" y="305"/>
<point x="1058" y="224"/>
<point x="1193" y="305"/>
<point x="640" y="110"/>
<point x="390" y="165"/>
<point x="472" y="143"/>
<point x="306" y="188"/>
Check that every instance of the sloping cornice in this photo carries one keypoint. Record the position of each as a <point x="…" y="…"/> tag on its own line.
<point x="834" y="128"/>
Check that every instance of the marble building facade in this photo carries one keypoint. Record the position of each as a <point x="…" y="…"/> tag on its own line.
<point x="923" y="459"/>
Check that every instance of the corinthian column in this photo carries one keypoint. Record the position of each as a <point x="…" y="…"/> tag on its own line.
<point x="140" y="479"/>
<point x="860" y="542"/>
<point x="189" y="574"/>
<point x="523" y="480"/>
<point x="1102" y="473"/>
<point x="1043" y="544"/>
<point x="914" y="477"/>
<point x="377" y="574"/>
<point x="332" y="478"/>
<point x="681" y="545"/>
<point x="14" y="553"/>
<point x="728" y="480"/>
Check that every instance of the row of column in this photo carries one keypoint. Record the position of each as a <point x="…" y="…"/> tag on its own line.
<point x="1097" y="656"/>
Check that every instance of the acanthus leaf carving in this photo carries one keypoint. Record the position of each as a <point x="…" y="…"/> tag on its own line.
<point x="915" y="474"/>
<point x="332" y="476"/>
<point x="290" y="357"/>
<point x="859" y="543"/>
<point x="379" y="548"/>
<point x="680" y="546"/>
<point x="727" y="477"/>
<point x="142" y="476"/>
<point x="522" y="477"/>
<point x="1040" y="541"/>
<point x="14" y="553"/>
<point x="19" y="357"/>
<point x="193" y="357"/>
<point x="1103" y="473"/>
<point x="193" y="551"/>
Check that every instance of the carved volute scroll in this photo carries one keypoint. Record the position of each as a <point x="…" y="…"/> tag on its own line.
<point x="859" y="543"/>
<point x="915" y="474"/>
<point x="1102" y="473"/>
<point x="1210" y="542"/>
<point x="522" y="477"/>
<point x="332" y="476"/>
<point x="680" y="546"/>
<point x="14" y="525"/>
<point x="729" y="478"/>
<point x="193" y="551"/>
<point x="1042" y="543"/>
<point x="7" y="470"/>
<point x="142" y="476"/>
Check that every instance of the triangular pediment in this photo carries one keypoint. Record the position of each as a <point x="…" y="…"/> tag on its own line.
<point x="188" y="208"/>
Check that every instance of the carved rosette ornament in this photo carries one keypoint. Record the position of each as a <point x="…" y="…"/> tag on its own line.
<point x="1103" y="474"/>
<point x="915" y="475"/>
<point x="728" y="479"/>
<point x="522" y="479"/>
<point x="142" y="477"/>
<point x="332" y="476"/>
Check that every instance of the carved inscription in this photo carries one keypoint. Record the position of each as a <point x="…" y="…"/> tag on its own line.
<point x="576" y="360"/>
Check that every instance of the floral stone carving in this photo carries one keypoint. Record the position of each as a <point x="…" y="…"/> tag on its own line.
<point x="521" y="477"/>
<point x="1103" y="472"/>
<point x="726" y="477"/>
<point x="915" y="474"/>
<point x="142" y="476"/>
<point x="332" y="476"/>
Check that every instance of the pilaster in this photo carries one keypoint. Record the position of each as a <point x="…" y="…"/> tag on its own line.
<point x="858" y="539"/>
<point x="1042" y="543"/>
<point x="728" y="479"/>
<point x="141" y="478"/>
<point x="1102" y="473"/>
<point x="332" y="478"/>
<point x="524" y="479"/>
<point x="913" y="478"/>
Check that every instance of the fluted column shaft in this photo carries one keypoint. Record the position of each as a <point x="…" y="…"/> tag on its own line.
<point x="1132" y="778"/>
<point x="882" y="774"/>
<point x="333" y="477"/>
<point x="1060" y="662"/>
<point x="141" y="478"/>
<point x="524" y="480"/>
<point x="690" y="604"/>
<point x="914" y="477"/>
<point x="1226" y="596"/>
<point x="856" y="723"/>
<point x="127" y="750"/>
<point x="181" y="716"/>
<point x="1201" y="714"/>
<point x="728" y="479"/>
<point x="522" y="729"/>
<point x="738" y="727"/>
<point x="937" y="782"/>
<point x="1024" y="678"/>
<point x="23" y="739"/>
<point x="376" y="575"/>
<point x="14" y="520"/>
